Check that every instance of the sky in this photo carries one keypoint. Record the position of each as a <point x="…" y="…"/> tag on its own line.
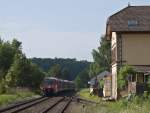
<point x="58" y="28"/>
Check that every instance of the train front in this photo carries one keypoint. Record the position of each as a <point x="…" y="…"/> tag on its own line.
<point x="47" y="86"/>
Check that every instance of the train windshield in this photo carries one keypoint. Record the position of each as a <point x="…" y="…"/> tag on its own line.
<point x="48" y="81"/>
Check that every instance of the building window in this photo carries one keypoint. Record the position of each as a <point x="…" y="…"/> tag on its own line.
<point x="132" y="23"/>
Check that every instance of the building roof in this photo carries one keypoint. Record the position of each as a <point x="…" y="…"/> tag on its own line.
<point x="100" y="76"/>
<point x="129" y="19"/>
<point x="143" y="69"/>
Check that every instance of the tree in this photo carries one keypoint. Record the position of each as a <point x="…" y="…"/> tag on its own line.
<point x="37" y="76"/>
<point x="102" y="58"/>
<point x="73" y="66"/>
<point x="82" y="79"/>
<point x="16" y="69"/>
<point x="6" y="58"/>
<point x="23" y="73"/>
<point x="17" y="46"/>
<point x="65" y="74"/>
<point x="124" y="72"/>
<point x="94" y="69"/>
<point x="55" y="71"/>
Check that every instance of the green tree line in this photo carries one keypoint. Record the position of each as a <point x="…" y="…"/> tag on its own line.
<point x="101" y="62"/>
<point x="15" y="69"/>
<point x="101" y="57"/>
<point x="60" y="67"/>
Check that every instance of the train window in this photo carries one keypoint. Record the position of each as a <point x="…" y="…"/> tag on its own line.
<point x="48" y="81"/>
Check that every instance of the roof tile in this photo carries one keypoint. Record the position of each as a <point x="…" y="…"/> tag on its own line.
<point x="119" y="21"/>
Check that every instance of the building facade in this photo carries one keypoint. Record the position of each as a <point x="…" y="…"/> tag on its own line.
<point x="129" y="33"/>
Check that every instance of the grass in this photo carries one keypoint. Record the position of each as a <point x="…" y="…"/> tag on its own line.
<point x="136" y="105"/>
<point x="85" y="94"/>
<point x="17" y="96"/>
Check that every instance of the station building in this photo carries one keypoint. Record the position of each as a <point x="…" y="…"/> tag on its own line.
<point x="129" y="33"/>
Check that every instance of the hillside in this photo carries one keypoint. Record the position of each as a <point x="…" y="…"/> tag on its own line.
<point x="72" y="65"/>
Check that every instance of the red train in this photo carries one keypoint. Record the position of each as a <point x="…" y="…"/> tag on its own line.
<point x="52" y="85"/>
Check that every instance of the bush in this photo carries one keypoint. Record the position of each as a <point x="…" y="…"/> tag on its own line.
<point x="122" y="76"/>
<point x="146" y="94"/>
<point x="149" y="97"/>
<point x="124" y="103"/>
<point x="2" y="87"/>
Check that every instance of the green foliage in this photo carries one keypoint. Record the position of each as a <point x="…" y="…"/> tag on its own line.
<point x="2" y="86"/>
<point x="137" y="105"/>
<point x="85" y="93"/>
<point x="82" y="79"/>
<point x="148" y="83"/>
<point x="123" y="74"/>
<point x="6" y="58"/>
<point x="16" y="45"/>
<point x="65" y="73"/>
<point x="16" y="69"/>
<point x="94" y="69"/>
<point x="5" y="99"/>
<point x="10" y="98"/>
<point x="78" y="82"/>
<point x="73" y="66"/>
<point x="55" y="71"/>
<point x="145" y="94"/>
<point x="137" y="100"/>
<point x="101" y="83"/>
<point x="58" y="72"/>
<point x="37" y="76"/>
<point x="102" y="58"/>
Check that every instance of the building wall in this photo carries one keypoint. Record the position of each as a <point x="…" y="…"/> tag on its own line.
<point x="114" y="48"/>
<point x="136" y="49"/>
<point x="114" y="81"/>
<point x="114" y="64"/>
<point x="113" y="40"/>
<point x="131" y="49"/>
<point x="107" y="86"/>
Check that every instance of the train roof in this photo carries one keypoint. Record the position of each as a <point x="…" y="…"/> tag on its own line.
<point x="54" y="78"/>
<point x="50" y="78"/>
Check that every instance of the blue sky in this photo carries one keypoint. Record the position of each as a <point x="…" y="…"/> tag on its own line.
<point x="58" y="28"/>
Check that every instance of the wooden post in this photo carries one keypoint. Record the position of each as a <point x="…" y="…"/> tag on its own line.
<point x="136" y="77"/>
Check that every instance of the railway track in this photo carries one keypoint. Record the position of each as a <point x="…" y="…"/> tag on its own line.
<point x="22" y="105"/>
<point x="59" y="106"/>
<point x="44" y="105"/>
<point x="40" y="105"/>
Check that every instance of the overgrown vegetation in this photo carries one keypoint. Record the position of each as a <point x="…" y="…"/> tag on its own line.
<point x="18" y="71"/>
<point x="15" y="69"/>
<point x="82" y="79"/>
<point x="136" y="104"/>
<point x="84" y="93"/>
<point x="61" y="67"/>
<point x="101" y="63"/>
<point x="122" y="79"/>
<point x="102" y="58"/>
<point x="10" y="97"/>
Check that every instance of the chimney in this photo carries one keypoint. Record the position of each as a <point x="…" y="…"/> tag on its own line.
<point x="129" y="4"/>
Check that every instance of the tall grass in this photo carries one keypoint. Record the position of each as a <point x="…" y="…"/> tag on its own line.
<point x="84" y="93"/>
<point x="13" y="95"/>
<point x="137" y="104"/>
